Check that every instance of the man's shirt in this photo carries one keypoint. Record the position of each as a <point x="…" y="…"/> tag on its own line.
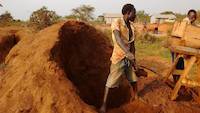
<point x="118" y="54"/>
<point x="189" y="22"/>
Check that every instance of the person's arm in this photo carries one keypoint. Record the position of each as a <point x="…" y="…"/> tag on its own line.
<point x="120" y="41"/>
<point x="122" y="45"/>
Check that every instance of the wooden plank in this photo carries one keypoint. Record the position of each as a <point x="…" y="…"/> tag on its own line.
<point x="192" y="42"/>
<point x="172" y="68"/>
<point x="190" y="34"/>
<point x="182" y="29"/>
<point x="190" y="83"/>
<point x="175" y="41"/>
<point x="179" y="29"/>
<point x="185" y="50"/>
<point x="185" y="73"/>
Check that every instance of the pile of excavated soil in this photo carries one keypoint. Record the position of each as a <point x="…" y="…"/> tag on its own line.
<point x="60" y="69"/>
<point x="9" y="37"/>
<point x="63" y="69"/>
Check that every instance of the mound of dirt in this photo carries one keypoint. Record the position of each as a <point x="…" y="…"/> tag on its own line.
<point x="59" y="69"/>
<point x="9" y="37"/>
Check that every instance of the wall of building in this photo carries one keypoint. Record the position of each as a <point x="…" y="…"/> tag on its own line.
<point x="161" y="20"/>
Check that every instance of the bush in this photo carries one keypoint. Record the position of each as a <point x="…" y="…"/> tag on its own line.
<point x="43" y="18"/>
<point x="147" y="38"/>
<point x="151" y="46"/>
<point x="6" y="18"/>
<point x="84" y="13"/>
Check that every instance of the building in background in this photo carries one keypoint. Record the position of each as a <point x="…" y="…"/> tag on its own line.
<point x="110" y="17"/>
<point x="162" y="18"/>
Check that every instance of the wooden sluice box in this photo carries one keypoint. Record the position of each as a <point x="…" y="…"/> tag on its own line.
<point x="184" y="41"/>
<point x="185" y="35"/>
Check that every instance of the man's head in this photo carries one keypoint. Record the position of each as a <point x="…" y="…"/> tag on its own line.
<point x="192" y="15"/>
<point x="129" y="12"/>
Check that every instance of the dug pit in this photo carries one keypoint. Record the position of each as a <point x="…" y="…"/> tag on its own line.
<point x="84" y="54"/>
<point x="6" y="44"/>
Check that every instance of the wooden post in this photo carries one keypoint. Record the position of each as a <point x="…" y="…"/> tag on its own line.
<point x="198" y="70"/>
<point x="185" y="73"/>
<point x="172" y="68"/>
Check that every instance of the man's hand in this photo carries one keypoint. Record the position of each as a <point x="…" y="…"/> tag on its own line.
<point x="130" y="56"/>
<point x="135" y="66"/>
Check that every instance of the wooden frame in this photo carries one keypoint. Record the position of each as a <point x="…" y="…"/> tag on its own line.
<point x="193" y="56"/>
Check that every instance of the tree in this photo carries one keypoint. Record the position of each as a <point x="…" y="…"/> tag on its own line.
<point x="43" y="18"/>
<point x="84" y="12"/>
<point x="6" y="18"/>
<point x="168" y="12"/>
<point x="70" y="17"/>
<point x="142" y="16"/>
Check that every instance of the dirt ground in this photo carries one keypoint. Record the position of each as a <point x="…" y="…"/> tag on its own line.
<point x="155" y="64"/>
<point x="155" y="99"/>
<point x="63" y="69"/>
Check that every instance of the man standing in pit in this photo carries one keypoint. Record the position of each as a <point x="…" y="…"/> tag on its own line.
<point x="123" y="56"/>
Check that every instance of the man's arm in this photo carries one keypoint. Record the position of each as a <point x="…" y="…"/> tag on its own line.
<point x="120" y="42"/>
<point x="122" y="45"/>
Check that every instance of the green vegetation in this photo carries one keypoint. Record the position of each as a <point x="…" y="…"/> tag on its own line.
<point x="168" y="12"/>
<point x="142" y="16"/>
<point x="42" y="18"/>
<point x="148" y="45"/>
<point x="84" y="13"/>
<point x="6" y="18"/>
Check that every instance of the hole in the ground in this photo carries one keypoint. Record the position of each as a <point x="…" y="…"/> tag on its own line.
<point x="84" y="54"/>
<point x="6" y="44"/>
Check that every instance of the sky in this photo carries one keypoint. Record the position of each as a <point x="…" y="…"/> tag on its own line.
<point x="22" y="9"/>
